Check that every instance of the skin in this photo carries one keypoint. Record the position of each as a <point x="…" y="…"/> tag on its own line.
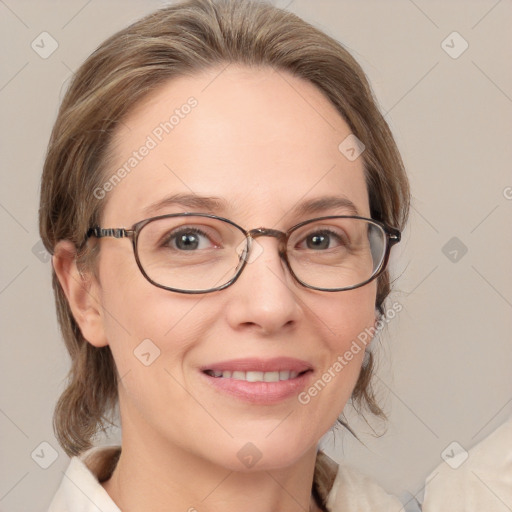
<point x="263" y="141"/>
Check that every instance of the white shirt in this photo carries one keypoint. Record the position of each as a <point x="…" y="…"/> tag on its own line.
<point x="81" y="491"/>
<point x="481" y="483"/>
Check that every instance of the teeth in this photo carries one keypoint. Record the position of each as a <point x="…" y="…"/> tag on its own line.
<point x="271" y="376"/>
<point x="255" y="376"/>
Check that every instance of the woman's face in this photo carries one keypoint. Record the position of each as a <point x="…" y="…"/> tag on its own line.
<point x="262" y="142"/>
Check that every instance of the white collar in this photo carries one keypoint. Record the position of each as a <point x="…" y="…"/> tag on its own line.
<point x="80" y="489"/>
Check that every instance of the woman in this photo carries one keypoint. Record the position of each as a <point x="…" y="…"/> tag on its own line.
<point x="220" y="196"/>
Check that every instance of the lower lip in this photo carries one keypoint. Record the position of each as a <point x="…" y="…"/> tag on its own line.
<point x="260" y="392"/>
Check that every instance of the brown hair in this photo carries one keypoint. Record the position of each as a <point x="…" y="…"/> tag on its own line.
<point x="186" y="38"/>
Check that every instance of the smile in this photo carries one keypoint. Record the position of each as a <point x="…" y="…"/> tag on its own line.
<point x="255" y="376"/>
<point x="259" y="381"/>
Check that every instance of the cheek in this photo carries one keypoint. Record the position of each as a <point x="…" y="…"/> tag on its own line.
<point x="347" y="325"/>
<point x="143" y="323"/>
<point x="349" y="317"/>
<point x="151" y="334"/>
<point x="351" y="329"/>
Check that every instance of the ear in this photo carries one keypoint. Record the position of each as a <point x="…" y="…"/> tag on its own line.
<point x="82" y="292"/>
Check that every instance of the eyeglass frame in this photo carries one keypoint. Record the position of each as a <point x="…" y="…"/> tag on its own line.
<point x="393" y="236"/>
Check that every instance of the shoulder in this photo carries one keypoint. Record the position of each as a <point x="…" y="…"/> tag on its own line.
<point x="80" y="488"/>
<point x="480" y="479"/>
<point x="350" y="490"/>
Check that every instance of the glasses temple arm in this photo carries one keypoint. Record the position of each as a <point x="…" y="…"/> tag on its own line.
<point x="114" y="232"/>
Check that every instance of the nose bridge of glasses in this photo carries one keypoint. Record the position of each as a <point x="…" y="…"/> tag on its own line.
<point x="267" y="232"/>
<point x="259" y="232"/>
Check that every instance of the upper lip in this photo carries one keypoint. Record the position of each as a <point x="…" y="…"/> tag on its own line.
<point x="260" y="365"/>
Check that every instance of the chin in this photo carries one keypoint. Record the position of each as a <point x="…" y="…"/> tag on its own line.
<point x="263" y="452"/>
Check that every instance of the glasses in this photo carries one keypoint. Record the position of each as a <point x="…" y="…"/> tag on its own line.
<point x="202" y="253"/>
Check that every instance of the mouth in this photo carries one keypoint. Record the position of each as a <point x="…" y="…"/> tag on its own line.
<point x="259" y="381"/>
<point x="255" y="376"/>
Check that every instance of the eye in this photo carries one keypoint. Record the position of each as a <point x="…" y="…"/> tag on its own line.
<point x="187" y="239"/>
<point x="325" y="239"/>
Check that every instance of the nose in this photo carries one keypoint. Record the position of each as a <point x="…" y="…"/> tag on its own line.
<point x="265" y="296"/>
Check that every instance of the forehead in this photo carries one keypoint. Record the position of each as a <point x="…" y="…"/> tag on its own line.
<point x="261" y="140"/>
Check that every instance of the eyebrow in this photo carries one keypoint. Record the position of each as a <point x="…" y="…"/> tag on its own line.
<point x="218" y="205"/>
<point x="322" y="204"/>
<point x="190" y="201"/>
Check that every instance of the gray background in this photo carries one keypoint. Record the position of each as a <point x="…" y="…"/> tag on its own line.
<point x="444" y="361"/>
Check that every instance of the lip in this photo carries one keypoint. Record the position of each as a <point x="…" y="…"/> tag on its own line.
<point x="262" y="393"/>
